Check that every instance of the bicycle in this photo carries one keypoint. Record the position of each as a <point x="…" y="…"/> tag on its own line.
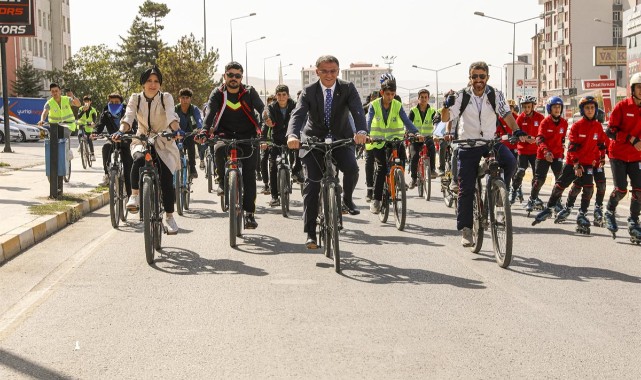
<point x="232" y="198"/>
<point x="182" y="178"/>
<point x="151" y="209"/>
<point x="329" y="220"/>
<point x="394" y="190"/>
<point x="69" y="153"/>
<point x="491" y="205"/>
<point x="424" y="172"/>
<point x="117" y="192"/>
<point x="210" y="169"/>
<point x="449" y="197"/>
<point x="283" y="178"/>
<point x="85" y="152"/>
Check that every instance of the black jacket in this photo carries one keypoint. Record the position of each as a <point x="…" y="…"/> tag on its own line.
<point x="279" y="130"/>
<point x="109" y="121"/>
<point x="250" y="102"/>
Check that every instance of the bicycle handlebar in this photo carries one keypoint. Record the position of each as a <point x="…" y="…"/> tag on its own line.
<point x="315" y="143"/>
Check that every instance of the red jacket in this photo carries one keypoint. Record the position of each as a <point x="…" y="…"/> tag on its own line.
<point x="529" y="125"/>
<point x="626" y="121"/>
<point x="586" y="138"/>
<point x="550" y="137"/>
<point x="502" y="130"/>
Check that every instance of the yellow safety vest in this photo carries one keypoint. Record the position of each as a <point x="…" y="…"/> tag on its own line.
<point x="85" y="120"/>
<point x="425" y="127"/>
<point x="394" y="127"/>
<point x="61" y="113"/>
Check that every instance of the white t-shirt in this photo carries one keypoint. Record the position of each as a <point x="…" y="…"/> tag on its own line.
<point x="479" y="119"/>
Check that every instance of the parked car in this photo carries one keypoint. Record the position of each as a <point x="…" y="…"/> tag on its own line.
<point x="44" y="132"/>
<point x="27" y="132"/>
<point x="15" y="134"/>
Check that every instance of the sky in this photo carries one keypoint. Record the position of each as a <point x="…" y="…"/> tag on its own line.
<point x="427" y="33"/>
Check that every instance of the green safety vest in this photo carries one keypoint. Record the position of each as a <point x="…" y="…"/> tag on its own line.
<point x="425" y="127"/>
<point x="61" y="113"/>
<point x="85" y="120"/>
<point x="394" y="127"/>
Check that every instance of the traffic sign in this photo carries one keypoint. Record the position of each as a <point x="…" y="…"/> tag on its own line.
<point x="16" y="18"/>
<point x="597" y="84"/>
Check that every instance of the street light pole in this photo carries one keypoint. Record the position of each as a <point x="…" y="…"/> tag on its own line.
<point x="513" y="38"/>
<point x="205" y="26"/>
<point x="409" y="92"/>
<point x="436" y="71"/>
<point x="500" y="68"/>
<point x="231" y="33"/>
<point x="264" y="74"/>
<point x="616" y="62"/>
<point x="280" y="71"/>
<point x="246" y="65"/>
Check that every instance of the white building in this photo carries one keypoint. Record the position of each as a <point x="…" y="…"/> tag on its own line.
<point x="523" y="78"/>
<point x="308" y="76"/>
<point x="365" y="76"/>
<point x="566" y="44"/>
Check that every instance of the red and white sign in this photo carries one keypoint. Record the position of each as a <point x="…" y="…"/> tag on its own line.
<point x="597" y="84"/>
<point x="519" y="82"/>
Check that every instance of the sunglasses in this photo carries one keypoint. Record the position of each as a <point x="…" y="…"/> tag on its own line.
<point x="232" y="75"/>
<point x="475" y="76"/>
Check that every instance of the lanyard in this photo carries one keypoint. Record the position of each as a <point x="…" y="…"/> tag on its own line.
<point x="479" y="106"/>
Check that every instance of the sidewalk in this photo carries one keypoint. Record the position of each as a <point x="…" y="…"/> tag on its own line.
<point x="23" y="183"/>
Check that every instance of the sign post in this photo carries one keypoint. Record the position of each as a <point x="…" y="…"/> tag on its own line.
<point x="16" y="19"/>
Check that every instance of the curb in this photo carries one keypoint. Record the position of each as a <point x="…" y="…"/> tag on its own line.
<point x="24" y="237"/>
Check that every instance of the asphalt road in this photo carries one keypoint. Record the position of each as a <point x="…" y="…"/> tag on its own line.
<point x="412" y="304"/>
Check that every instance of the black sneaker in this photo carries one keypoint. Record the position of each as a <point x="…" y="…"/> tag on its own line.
<point x="350" y="208"/>
<point x="250" y="222"/>
<point x="194" y="173"/>
<point x="266" y="190"/>
<point x="274" y="202"/>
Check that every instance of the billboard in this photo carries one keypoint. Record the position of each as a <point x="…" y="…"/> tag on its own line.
<point x="16" y="18"/>
<point x="609" y="56"/>
<point x="28" y="110"/>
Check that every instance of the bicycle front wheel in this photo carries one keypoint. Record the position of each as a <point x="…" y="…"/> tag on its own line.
<point x="421" y="178"/>
<point x="83" y="156"/>
<point x="209" y="173"/>
<point x="178" y="190"/>
<point x="283" y="188"/>
<point x="400" y="199"/>
<point x="500" y="223"/>
<point x="122" y="197"/>
<point x="234" y="207"/>
<point x="477" y="222"/>
<point x="427" y="178"/>
<point x="113" y="198"/>
<point x="67" y="176"/>
<point x="147" y="217"/>
<point x="383" y="214"/>
<point x="187" y="188"/>
<point x="88" y="155"/>
<point x="332" y="225"/>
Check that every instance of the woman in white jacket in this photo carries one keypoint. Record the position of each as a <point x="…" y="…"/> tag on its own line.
<point x="155" y="113"/>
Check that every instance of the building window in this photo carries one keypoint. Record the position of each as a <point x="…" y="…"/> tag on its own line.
<point x="46" y="51"/>
<point x="68" y="26"/>
<point x="616" y="16"/>
<point x="64" y="24"/>
<point x="39" y="17"/>
<point x="616" y="32"/>
<point x="40" y="52"/>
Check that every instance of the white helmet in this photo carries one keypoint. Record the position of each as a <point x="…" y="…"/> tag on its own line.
<point x="528" y="99"/>
<point x="635" y="79"/>
<point x="387" y="76"/>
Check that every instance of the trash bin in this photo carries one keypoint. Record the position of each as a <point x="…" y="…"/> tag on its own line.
<point x="62" y="158"/>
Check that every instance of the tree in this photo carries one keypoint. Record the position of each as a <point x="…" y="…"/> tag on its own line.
<point x="28" y="81"/>
<point x="155" y="11"/>
<point x="187" y="65"/>
<point x="92" y="71"/>
<point x="138" y="50"/>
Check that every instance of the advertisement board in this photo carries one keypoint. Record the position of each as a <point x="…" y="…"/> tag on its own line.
<point x="17" y="18"/>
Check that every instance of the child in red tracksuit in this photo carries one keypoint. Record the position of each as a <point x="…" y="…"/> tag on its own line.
<point x="550" y="141"/>
<point x="586" y="137"/>
<point x="529" y="121"/>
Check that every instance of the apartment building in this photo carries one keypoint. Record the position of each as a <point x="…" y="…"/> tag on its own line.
<point x="564" y="46"/>
<point x="365" y="76"/>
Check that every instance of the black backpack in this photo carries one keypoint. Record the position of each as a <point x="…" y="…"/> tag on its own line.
<point x="162" y="101"/>
<point x="491" y="96"/>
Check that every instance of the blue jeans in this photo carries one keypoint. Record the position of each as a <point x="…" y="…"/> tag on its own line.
<point x="468" y="164"/>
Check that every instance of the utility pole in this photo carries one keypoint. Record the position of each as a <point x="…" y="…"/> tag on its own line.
<point x="389" y="61"/>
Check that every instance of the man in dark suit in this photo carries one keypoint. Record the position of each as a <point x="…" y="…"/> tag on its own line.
<point x="322" y="110"/>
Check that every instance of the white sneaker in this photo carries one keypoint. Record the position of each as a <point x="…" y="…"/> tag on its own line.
<point x="467" y="239"/>
<point x="202" y="164"/>
<point x="133" y="205"/>
<point x="93" y="157"/>
<point x="454" y="186"/>
<point x="172" y="227"/>
<point x="375" y="206"/>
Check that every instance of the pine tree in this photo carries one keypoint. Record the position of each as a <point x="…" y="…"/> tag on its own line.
<point x="28" y="81"/>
